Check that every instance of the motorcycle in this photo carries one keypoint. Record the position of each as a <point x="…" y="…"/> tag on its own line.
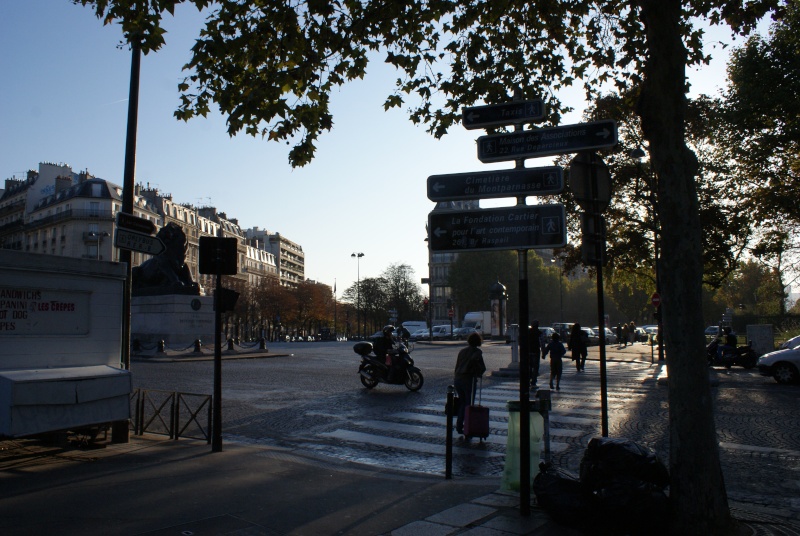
<point x="742" y="356"/>
<point x="373" y="369"/>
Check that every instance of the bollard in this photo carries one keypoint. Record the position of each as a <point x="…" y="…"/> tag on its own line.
<point x="197" y="345"/>
<point x="161" y="346"/>
<point x="448" y="456"/>
<point x="545" y="405"/>
<point x="262" y="344"/>
<point x="230" y="344"/>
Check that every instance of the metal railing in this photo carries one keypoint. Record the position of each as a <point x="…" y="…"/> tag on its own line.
<point x="171" y="413"/>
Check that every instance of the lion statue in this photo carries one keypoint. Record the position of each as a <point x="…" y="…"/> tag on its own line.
<point x="166" y="273"/>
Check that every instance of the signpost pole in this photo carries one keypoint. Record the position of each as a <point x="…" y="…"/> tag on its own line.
<point x="216" y="425"/>
<point x="120" y="432"/>
<point x="524" y="365"/>
<point x="601" y="314"/>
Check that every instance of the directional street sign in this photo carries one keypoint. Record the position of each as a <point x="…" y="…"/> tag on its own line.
<point x="502" y="114"/>
<point x="518" y="227"/>
<point x="136" y="241"/>
<point x="547" y="141"/>
<point x="493" y="184"/>
<point x="135" y="223"/>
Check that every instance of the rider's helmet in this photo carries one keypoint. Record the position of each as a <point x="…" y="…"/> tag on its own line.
<point x="388" y="329"/>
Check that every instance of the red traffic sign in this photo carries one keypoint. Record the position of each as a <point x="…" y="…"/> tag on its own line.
<point x="135" y="223"/>
<point x="655" y="299"/>
<point x="450" y="313"/>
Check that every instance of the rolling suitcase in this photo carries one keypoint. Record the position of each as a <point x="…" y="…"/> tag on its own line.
<point x="476" y="417"/>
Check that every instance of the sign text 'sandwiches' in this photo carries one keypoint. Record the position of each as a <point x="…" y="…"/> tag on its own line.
<point x="38" y="311"/>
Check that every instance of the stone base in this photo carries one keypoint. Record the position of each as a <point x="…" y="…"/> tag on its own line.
<point x="511" y="371"/>
<point x="176" y="319"/>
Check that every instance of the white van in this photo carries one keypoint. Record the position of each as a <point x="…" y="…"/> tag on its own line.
<point x="442" y="332"/>
<point x="415" y="325"/>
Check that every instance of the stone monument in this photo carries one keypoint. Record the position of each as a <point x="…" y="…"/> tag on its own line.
<point x="165" y="303"/>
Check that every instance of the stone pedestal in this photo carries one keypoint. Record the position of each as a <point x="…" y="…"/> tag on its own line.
<point x="176" y="319"/>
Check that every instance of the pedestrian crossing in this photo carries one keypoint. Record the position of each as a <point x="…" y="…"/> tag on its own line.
<point x="416" y="439"/>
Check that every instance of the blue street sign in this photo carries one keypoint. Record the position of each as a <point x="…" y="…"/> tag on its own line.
<point x="518" y="227"/>
<point x="547" y="141"/>
<point x="508" y="113"/>
<point x="495" y="184"/>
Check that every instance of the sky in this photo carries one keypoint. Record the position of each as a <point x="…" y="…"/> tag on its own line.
<point x="64" y="97"/>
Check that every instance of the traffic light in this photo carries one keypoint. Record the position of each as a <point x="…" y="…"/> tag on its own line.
<point x="449" y="303"/>
<point x="593" y="239"/>
<point x="425" y="304"/>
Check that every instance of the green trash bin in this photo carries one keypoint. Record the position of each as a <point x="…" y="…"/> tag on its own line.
<point x="511" y="472"/>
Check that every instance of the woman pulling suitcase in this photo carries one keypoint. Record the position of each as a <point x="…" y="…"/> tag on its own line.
<point x="469" y="367"/>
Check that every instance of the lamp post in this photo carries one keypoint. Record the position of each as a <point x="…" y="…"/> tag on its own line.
<point x="638" y="155"/>
<point x="560" y="287"/>
<point x="358" y="256"/>
<point x="99" y="236"/>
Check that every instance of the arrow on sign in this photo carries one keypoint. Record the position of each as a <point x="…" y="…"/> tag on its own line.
<point x="136" y="241"/>
<point x="547" y="141"/>
<point x="515" y="182"/>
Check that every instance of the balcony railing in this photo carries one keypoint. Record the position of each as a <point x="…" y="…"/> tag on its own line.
<point x="105" y="215"/>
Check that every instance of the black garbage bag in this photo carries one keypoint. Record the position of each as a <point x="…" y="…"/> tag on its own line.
<point x="627" y="483"/>
<point x="563" y="497"/>
<point x="621" y="459"/>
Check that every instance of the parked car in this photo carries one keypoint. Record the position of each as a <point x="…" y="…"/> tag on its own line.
<point x="442" y="332"/>
<point x="712" y="331"/>
<point x="594" y="338"/>
<point x="783" y="365"/>
<point x="794" y="342"/>
<point x="641" y="334"/>
<point x="563" y="329"/>
<point x="463" y="333"/>
<point x="420" y="334"/>
<point x="611" y="337"/>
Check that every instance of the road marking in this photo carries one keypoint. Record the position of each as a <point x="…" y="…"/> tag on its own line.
<point x="754" y="448"/>
<point x="404" y="444"/>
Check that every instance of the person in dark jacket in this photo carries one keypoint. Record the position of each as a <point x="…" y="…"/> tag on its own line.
<point x="385" y="351"/>
<point x="579" y="342"/>
<point x="556" y="350"/>
<point x="469" y="367"/>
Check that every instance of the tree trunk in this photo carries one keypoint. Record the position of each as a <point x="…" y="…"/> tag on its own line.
<point x="697" y="492"/>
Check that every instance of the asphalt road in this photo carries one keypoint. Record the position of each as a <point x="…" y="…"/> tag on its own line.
<point x="309" y="397"/>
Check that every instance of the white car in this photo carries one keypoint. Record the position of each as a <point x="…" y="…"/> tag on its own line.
<point x="420" y="334"/>
<point x="783" y="365"/>
<point x="794" y="342"/>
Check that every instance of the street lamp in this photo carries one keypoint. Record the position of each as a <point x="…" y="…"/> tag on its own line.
<point x="99" y="236"/>
<point x="638" y="155"/>
<point x="358" y="256"/>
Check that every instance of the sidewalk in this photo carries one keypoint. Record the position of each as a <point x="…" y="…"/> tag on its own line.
<point x="154" y="486"/>
<point x="162" y="487"/>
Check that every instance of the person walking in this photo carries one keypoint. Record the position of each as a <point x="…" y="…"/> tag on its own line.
<point x="534" y="350"/>
<point x="469" y="367"/>
<point x="632" y="332"/>
<point x="619" y="335"/>
<point x="624" y="335"/>
<point x="579" y="344"/>
<point x="556" y="350"/>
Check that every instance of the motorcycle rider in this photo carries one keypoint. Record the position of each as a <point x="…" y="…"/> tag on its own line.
<point x="384" y="349"/>
<point x="731" y="342"/>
